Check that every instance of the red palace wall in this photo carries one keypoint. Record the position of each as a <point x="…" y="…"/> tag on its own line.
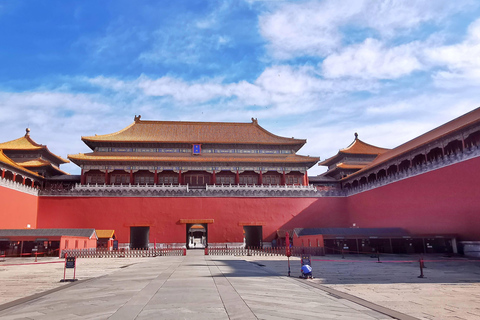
<point x="162" y="215"/>
<point x="18" y="209"/>
<point x="443" y="201"/>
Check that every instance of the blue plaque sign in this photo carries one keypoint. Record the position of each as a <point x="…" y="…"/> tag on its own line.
<point x="197" y="149"/>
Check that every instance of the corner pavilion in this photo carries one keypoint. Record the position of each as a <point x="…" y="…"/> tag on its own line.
<point x="194" y="154"/>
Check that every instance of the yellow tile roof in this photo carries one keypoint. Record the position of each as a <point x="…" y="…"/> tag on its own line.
<point x="194" y="132"/>
<point x="360" y="147"/>
<point x="23" y="143"/>
<point x="356" y="147"/>
<point x="351" y="166"/>
<point x="10" y="162"/>
<point x="26" y="143"/>
<point x="153" y="157"/>
<point x="35" y="163"/>
<point x="105" y="233"/>
<point x="38" y="163"/>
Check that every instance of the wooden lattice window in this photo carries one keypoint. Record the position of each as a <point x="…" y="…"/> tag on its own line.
<point x="248" y="179"/>
<point x="294" y="180"/>
<point x="144" y="179"/>
<point x="96" y="179"/>
<point x="271" y="179"/>
<point x="168" y="179"/>
<point x="225" y="180"/>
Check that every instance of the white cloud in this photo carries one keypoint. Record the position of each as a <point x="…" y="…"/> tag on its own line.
<point x="314" y="28"/>
<point x="373" y="60"/>
<point x="461" y="61"/>
<point x="306" y="29"/>
<point x="287" y="89"/>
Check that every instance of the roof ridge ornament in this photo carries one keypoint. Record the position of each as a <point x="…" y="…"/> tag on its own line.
<point x="137" y="118"/>
<point x="27" y="132"/>
<point x="356" y="136"/>
<point x="254" y="120"/>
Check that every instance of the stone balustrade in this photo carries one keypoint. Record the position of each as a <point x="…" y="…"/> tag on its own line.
<point x="440" y="162"/>
<point x="18" y="186"/>
<point x="103" y="190"/>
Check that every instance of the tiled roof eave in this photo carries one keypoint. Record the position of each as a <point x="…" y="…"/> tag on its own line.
<point x="310" y="161"/>
<point x="12" y="164"/>
<point x="98" y="143"/>
<point x="142" y="131"/>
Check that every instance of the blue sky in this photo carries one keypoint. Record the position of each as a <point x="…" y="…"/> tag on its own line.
<point x="316" y="70"/>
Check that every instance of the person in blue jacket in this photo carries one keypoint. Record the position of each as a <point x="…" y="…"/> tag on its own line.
<point x="306" y="271"/>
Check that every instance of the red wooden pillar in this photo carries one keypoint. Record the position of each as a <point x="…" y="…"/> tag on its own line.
<point x="180" y="177"/>
<point x="82" y="177"/>
<point x="23" y="182"/>
<point x="214" y="178"/>
<point x="305" y="179"/>
<point x="131" y="176"/>
<point x="284" y="180"/>
<point x="237" y="178"/>
<point x="3" y="173"/>
<point x="155" y="177"/>
<point x="260" y="178"/>
<point x="33" y="183"/>
<point x="107" y="177"/>
<point x="14" y="176"/>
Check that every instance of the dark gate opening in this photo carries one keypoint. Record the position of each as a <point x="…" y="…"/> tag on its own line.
<point x="139" y="237"/>
<point x="253" y="236"/>
<point x="197" y="235"/>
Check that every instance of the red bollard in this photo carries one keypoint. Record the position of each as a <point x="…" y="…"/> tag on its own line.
<point x="420" y="261"/>
<point x="206" y="251"/>
<point x="35" y="256"/>
<point x="184" y="251"/>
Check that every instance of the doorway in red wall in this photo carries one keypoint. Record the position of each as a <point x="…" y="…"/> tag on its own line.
<point x="139" y="237"/>
<point x="197" y="235"/>
<point x="253" y="236"/>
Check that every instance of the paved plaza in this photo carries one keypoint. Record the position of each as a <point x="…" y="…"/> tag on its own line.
<point x="252" y="287"/>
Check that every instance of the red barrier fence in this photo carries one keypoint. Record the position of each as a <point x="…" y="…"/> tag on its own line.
<point x="123" y="253"/>
<point x="50" y="253"/>
<point x="259" y="251"/>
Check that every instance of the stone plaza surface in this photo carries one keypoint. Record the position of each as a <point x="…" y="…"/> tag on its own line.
<point x="252" y="287"/>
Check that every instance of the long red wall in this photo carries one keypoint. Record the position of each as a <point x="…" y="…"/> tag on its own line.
<point x="163" y="215"/>
<point x="443" y="201"/>
<point x="18" y="209"/>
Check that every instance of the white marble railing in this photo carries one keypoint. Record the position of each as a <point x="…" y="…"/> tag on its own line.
<point x="18" y="186"/>
<point x="99" y="190"/>
<point x="125" y="187"/>
<point x="438" y="163"/>
<point x="263" y="187"/>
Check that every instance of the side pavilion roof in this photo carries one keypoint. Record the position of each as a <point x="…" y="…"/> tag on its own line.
<point x="26" y="143"/>
<point x="356" y="147"/>
<point x="193" y="132"/>
<point x="6" y="160"/>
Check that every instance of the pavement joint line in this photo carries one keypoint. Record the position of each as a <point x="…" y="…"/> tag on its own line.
<point x="39" y="295"/>
<point x="370" y="305"/>
<point x="161" y="279"/>
<point x="228" y="309"/>
<point x="339" y="294"/>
